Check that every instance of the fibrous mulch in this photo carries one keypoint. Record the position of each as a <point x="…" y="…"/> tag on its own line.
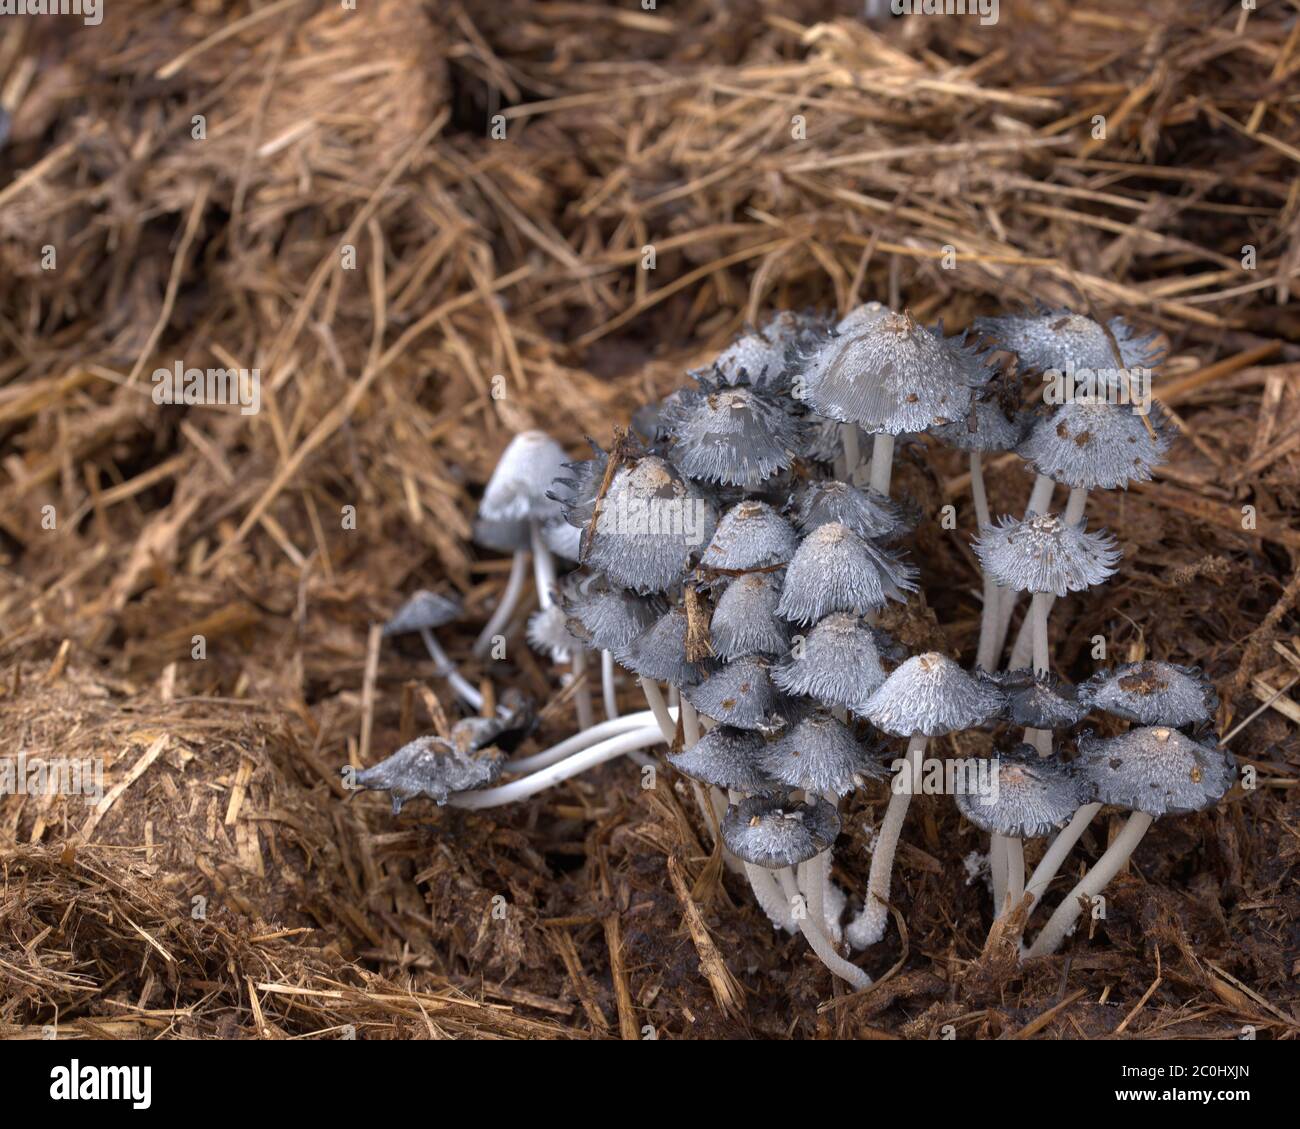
<point x="317" y="192"/>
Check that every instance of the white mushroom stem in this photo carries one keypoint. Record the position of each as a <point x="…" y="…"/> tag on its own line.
<point x="607" y="684"/>
<point x="582" y="691"/>
<point x="1061" y="923"/>
<point x="984" y="656"/>
<point x="655" y="700"/>
<point x="1058" y="851"/>
<point x="869" y="926"/>
<point x="852" y="453"/>
<point x="1039" y="606"/>
<point x="543" y="567"/>
<point x="767" y="890"/>
<point x="505" y="608"/>
<point x="580" y="741"/>
<point x="525" y="786"/>
<point x="1020" y="652"/>
<point x="1040" y="500"/>
<point x="817" y="940"/>
<point x="1015" y="873"/>
<point x="998" y="870"/>
<point x="463" y="688"/>
<point x="882" y="462"/>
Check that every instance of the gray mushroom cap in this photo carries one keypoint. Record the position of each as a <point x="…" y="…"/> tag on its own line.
<point x="423" y="609"/>
<point x="610" y="619"/>
<point x="745" y="620"/>
<point x="1089" y="443"/>
<point x="1043" y="553"/>
<point x="868" y="513"/>
<point x="1038" y="701"/>
<point x="651" y="522"/>
<point x="775" y="833"/>
<point x="820" y="754"/>
<point x="750" y="535"/>
<point x="861" y="317"/>
<point x="758" y="358"/>
<point x="548" y="634"/>
<point x="1032" y="796"/>
<point x="660" y="652"/>
<point x="726" y="757"/>
<point x="1152" y="693"/>
<point x="429" y="766"/>
<point x="835" y="570"/>
<point x="1155" y="769"/>
<point x="1053" y="339"/>
<point x="837" y="665"/>
<point x="734" y="436"/>
<point x="931" y="695"/>
<point x="740" y="694"/>
<point x="517" y="489"/>
<point x="891" y="375"/>
<point x="984" y="428"/>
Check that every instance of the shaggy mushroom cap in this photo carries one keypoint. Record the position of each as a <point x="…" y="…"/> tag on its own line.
<point x="931" y="695"/>
<point x="1155" y="769"/>
<point x="774" y="833"/>
<point x="984" y="428"/>
<point x="1152" y="693"/>
<point x="1089" y="443"/>
<point x="750" y="535"/>
<point x="866" y="512"/>
<point x="745" y="621"/>
<point x="1042" y="553"/>
<point x="650" y="523"/>
<point x="740" y="694"/>
<point x="517" y="489"/>
<point x="726" y="758"/>
<point x="506" y="730"/>
<point x="1038" y="701"/>
<point x="429" y="766"/>
<point x="835" y="570"/>
<point x="575" y="490"/>
<point x="423" y="609"/>
<point x="548" y="634"/>
<point x="1033" y="796"/>
<point x="821" y="439"/>
<point x="1054" y="339"/>
<point x="891" y="375"/>
<point x="838" y="663"/>
<point x="821" y="755"/>
<point x="660" y="652"/>
<point x="861" y="317"/>
<point x="734" y="435"/>
<point x="759" y="358"/>
<point x="609" y="619"/>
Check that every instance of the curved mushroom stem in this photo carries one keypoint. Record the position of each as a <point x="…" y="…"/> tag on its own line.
<point x="998" y="870"/>
<point x="985" y="659"/>
<point x="505" y="608"/>
<point x="869" y="926"/>
<point x="817" y="940"/>
<point x="1058" y="851"/>
<point x="655" y="700"/>
<point x="465" y="690"/>
<point x="580" y="741"/>
<point x="582" y="693"/>
<point x="1061" y="923"/>
<point x="882" y="462"/>
<point x="526" y="786"/>
<point x="607" y="684"/>
<point x="1040" y="500"/>
<point x="1020" y="652"/>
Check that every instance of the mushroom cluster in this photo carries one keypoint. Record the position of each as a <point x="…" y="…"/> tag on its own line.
<point x="733" y="551"/>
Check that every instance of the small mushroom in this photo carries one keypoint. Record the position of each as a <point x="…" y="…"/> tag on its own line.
<point x="931" y="695"/>
<point x="745" y="620"/>
<point x="1091" y="444"/>
<point x="733" y="435"/>
<point x="835" y="570"/>
<point x="517" y="489"/>
<point x="432" y="767"/>
<point x="740" y="694"/>
<point x="821" y="756"/>
<point x="1043" y="553"/>
<point x="837" y="665"/>
<point x="423" y="612"/>
<point x="772" y="832"/>
<point x="1152" y="693"/>
<point x="866" y="513"/>
<point x="751" y="535"/>
<point x="1038" y="701"/>
<point x="728" y="758"/>
<point x="608" y="618"/>
<point x="1053" y="339"/>
<point x="659" y="653"/>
